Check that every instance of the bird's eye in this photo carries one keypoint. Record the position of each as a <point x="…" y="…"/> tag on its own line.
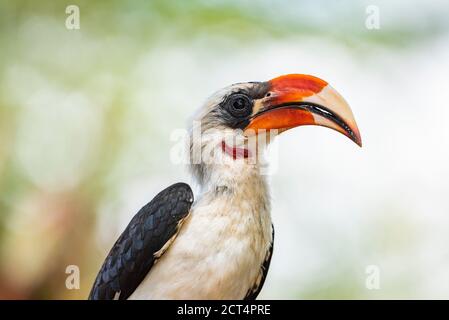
<point x="239" y="105"/>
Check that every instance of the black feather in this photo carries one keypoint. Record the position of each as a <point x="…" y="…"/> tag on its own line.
<point x="132" y="255"/>
<point x="255" y="290"/>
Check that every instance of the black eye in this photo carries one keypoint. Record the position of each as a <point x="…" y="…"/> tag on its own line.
<point x="239" y="105"/>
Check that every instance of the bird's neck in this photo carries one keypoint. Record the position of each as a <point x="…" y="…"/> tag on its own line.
<point x="236" y="193"/>
<point x="235" y="171"/>
<point x="238" y="176"/>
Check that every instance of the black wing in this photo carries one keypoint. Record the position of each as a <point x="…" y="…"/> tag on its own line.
<point x="255" y="290"/>
<point x="133" y="254"/>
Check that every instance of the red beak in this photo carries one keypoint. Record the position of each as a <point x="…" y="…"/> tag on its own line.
<point x="296" y="100"/>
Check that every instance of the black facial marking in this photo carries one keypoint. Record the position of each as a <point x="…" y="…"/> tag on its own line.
<point x="237" y="107"/>
<point x="259" y="90"/>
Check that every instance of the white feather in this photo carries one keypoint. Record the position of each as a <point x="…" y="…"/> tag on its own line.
<point x="221" y="247"/>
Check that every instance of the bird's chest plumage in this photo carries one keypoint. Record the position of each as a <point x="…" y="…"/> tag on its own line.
<point x="219" y="251"/>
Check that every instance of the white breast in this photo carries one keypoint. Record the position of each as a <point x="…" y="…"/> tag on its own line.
<point x="220" y="249"/>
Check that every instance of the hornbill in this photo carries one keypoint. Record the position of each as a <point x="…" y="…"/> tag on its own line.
<point x="220" y="245"/>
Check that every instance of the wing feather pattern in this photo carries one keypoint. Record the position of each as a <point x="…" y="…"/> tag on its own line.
<point x="138" y="247"/>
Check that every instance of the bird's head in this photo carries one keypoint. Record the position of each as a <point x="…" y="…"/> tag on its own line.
<point x="242" y="112"/>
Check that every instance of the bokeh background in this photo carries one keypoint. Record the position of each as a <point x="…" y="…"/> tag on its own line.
<point x="86" y="117"/>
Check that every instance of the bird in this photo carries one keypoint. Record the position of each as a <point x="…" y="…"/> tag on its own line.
<point x="219" y="244"/>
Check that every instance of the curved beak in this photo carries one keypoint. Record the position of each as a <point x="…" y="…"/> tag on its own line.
<point x="296" y="100"/>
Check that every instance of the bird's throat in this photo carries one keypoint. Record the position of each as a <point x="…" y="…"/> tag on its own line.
<point x="235" y="152"/>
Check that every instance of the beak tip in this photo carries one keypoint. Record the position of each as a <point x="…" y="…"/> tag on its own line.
<point x="358" y="140"/>
<point x="354" y="135"/>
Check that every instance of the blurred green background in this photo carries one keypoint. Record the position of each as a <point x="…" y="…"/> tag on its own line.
<point x="86" y="117"/>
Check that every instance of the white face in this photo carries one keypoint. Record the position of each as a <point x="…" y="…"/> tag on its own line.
<point x="217" y="132"/>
